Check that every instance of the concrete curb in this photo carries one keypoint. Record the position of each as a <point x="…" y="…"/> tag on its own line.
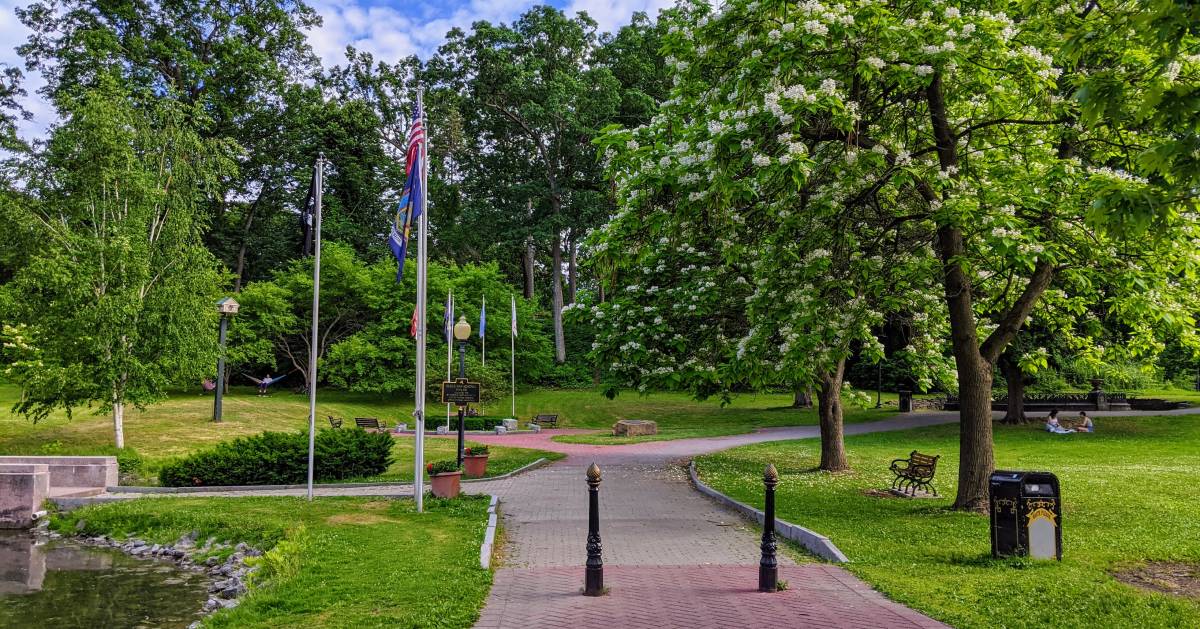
<point x="816" y="543"/>
<point x="136" y="489"/>
<point x="489" y="536"/>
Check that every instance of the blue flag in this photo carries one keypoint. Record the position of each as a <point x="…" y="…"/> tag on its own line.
<point x="483" y="316"/>
<point x="409" y="209"/>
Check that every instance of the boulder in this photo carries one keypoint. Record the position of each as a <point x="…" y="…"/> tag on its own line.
<point x="634" y="428"/>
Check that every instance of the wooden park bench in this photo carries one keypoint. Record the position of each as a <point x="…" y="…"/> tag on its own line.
<point x="546" y="421"/>
<point x="369" y="423"/>
<point x="335" y="422"/>
<point x="915" y="472"/>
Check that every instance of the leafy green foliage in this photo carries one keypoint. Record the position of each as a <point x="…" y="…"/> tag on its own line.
<point x="116" y="302"/>
<point x="441" y="467"/>
<point x="278" y="458"/>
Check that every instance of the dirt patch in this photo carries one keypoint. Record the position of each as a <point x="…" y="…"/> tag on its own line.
<point x="358" y="518"/>
<point x="1168" y="577"/>
<point x="878" y="493"/>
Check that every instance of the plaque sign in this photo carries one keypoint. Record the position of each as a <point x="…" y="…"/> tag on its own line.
<point x="460" y="392"/>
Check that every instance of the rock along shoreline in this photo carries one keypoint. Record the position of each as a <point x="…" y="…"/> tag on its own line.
<point x="228" y="578"/>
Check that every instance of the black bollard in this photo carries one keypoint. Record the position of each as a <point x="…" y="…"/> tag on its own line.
<point x="594" y="575"/>
<point x="768" y="567"/>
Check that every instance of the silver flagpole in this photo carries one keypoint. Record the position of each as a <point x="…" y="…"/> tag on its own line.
<point x="449" y="357"/>
<point x="312" y="346"/>
<point x="512" y="354"/>
<point x="423" y="230"/>
<point x="482" y="333"/>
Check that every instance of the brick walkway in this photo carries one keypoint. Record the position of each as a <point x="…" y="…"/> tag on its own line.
<point x="690" y="597"/>
<point x="672" y="557"/>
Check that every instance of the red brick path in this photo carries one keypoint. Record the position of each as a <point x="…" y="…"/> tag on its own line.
<point x="690" y="597"/>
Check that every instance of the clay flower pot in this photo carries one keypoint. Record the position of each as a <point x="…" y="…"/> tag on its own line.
<point x="475" y="465"/>
<point x="446" y="485"/>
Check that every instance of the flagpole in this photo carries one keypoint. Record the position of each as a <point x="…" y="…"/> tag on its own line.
<point x="482" y="334"/>
<point x="449" y="352"/>
<point x="512" y="355"/>
<point x="312" y="346"/>
<point x="423" y="230"/>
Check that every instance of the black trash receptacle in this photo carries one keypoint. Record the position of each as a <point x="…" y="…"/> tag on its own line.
<point x="905" y="401"/>
<point x="1026" y="515"/>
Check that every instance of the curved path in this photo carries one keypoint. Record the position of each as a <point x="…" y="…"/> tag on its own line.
<point x="673" y="558"/>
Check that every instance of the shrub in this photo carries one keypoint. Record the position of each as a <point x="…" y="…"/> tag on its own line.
<point x="441" y="467"/>
<point x="278" y="458"/>
<point x="472" y="423"/>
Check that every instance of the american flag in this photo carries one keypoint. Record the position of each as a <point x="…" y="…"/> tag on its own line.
<point x="409" y="209"/>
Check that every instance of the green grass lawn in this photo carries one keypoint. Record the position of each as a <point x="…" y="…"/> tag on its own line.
<point x="678" y="415"/>
<point x="183" y="424"/>
<point x="348" y="562"/>
<point x="1130" y="496"/>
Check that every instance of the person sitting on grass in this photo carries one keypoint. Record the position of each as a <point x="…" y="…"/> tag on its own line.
<point x="1053" y="426"/>
<point x="1084" y="423"/>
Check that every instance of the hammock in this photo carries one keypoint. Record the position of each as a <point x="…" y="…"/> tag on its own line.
<point x="266" y="382"/>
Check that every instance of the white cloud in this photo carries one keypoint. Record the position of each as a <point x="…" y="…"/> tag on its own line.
<point x="612" y="14"/>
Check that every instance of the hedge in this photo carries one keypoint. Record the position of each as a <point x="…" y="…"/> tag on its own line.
<point x="279" y="458"/>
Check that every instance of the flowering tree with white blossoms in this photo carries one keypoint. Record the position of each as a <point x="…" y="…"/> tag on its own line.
<point x="914" y="121"/>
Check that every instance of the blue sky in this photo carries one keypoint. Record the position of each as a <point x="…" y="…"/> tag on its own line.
<point x="388" y="29"/>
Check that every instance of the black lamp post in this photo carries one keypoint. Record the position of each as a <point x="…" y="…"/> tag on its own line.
<point x="462" y="332"/>
<point x="227" y="307"/>
<point x="879" y="384"/>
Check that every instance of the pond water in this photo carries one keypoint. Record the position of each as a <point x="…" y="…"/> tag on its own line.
<point x="67" y="585"/>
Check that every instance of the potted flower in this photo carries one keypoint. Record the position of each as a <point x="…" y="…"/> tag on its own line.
<point x="444" y="477"/>
<point x="475" y="461"/>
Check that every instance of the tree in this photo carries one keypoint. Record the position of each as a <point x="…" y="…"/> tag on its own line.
<point x="534" y="101"/>
<point x="117" y="302"/>
<point x="954" y="124"/>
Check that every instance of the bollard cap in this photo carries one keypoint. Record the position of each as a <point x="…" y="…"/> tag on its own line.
<point x="593" y="473"/>
<point x="770" y="475"/>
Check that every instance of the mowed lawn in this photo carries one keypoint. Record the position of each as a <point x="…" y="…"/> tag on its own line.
<point x="1130" y="496"/>
<point x="679" y="416"/>
<point x="341" y="562"/>
<point x="183" y="424"/>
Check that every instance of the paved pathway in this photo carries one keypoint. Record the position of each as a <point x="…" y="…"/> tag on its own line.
<point x="673" y="558"/>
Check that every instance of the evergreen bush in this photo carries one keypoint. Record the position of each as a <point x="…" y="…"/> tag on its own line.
<point x="278" y="458"/>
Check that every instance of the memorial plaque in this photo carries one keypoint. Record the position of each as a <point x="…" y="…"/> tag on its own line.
<point x="460" y="392"/>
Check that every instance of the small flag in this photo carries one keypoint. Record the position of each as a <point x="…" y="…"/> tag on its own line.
<point x="514" y="315"/>
<point x="448" y="319"/>
<point x="409" y="209"/>
<point x="483" y="316"/>
<point x="306" y="216"/>
<point x="412" y="328"/>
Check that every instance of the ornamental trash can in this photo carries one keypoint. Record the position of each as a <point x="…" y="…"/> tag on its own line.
<point x="1026" y="515"/>
<point x="905" y="401"/>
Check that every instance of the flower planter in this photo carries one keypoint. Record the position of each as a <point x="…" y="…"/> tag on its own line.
<point x="475" y="465"/>
<point x="446" y="485"/>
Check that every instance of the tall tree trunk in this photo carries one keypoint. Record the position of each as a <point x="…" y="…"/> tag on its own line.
<point x="241" y="256"/>
<point x="801" y="397"/>
<point x="974" y="361"/>
<point x="527" y="267"/>
<point x="1015" y="413"/>
<point x="976" y="459"/>
<point x="572" y="259"/>
<point x="118" y="414"/>
<point x="560" y="341"/>
<point x="829" y="410"/>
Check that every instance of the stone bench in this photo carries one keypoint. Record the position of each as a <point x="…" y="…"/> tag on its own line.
<point x="23" y="489"/>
